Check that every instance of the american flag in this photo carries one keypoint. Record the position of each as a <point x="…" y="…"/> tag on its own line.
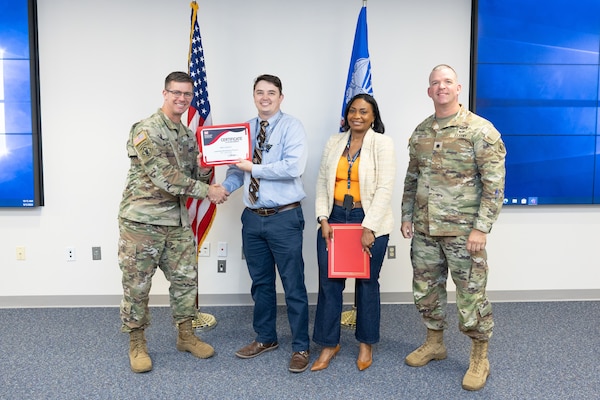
<point x="202" y="212"/>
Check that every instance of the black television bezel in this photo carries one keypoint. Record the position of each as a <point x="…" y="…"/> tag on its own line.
<point x="473" y="56"/>
<point x="36" y="120"/>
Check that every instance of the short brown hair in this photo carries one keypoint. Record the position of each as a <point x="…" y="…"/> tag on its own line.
<point x="178" y="76"/>
<point x="271" y="79"/>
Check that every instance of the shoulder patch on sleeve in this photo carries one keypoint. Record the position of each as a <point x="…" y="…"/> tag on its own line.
<point x="140" y="138"/>
<point x="143" y="146"/>
<point x="491" y="136"/>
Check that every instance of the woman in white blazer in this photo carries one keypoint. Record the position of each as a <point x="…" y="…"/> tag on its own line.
<point x="355" y="185"/>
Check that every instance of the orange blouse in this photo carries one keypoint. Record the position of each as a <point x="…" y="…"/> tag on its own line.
<point x="341" y="180"/>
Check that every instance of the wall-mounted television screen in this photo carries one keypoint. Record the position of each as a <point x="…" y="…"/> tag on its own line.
<point x="535" y="74"/>
<point x="20" y="141"/>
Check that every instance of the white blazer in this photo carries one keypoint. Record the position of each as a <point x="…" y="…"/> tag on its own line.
<point x="376" y="176"/>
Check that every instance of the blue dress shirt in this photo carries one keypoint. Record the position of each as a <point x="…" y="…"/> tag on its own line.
<point x="284" y="159"/>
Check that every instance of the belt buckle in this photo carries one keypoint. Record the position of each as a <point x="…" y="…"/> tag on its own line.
<point x="265" y="212"/>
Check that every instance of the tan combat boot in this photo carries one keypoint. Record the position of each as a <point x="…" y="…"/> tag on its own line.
<point x="138" y="352"/>
<point x="479" y="367"/>
<point x="188" y="341"/>
<point x="432" y="349"/>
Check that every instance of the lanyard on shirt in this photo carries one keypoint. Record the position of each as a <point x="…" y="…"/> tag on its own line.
<point x="350" y="160"/>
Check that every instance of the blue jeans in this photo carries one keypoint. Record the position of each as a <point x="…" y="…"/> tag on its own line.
<point x="269" y="241"/>
<point x="329" y="305"/>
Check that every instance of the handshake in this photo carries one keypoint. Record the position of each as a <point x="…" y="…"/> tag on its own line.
<point x="217" y="194"/>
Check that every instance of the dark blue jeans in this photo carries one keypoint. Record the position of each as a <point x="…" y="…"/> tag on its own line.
<point x="269" y="241"/>
<point x="329" y="306"/>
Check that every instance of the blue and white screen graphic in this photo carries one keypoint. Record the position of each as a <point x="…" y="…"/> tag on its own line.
<point x="537" y="80"/>
<point x="17" y="170"/>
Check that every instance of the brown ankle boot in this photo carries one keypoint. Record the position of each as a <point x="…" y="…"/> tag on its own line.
<point x="479" y="366"/>
<point x="432" y="349"/>
<point x="188" y="341"/>
<point x="139" y="359"/>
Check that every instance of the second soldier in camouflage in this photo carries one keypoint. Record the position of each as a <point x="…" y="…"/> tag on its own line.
<point x="453" y="193"/>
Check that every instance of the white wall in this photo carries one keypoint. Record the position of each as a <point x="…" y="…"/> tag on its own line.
<point x="102" y="66"/>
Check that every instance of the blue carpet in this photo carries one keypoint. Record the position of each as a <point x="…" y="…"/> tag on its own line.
<point x="539" y="351"/>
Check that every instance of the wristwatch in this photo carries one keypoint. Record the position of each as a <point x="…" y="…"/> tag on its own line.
<point x="321" y="218"/>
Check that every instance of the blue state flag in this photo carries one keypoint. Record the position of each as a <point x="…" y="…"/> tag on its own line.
<point x="359" y="73"/>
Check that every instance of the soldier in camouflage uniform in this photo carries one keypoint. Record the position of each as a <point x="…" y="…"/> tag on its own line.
<point x="154" y="223"/>
<point x="453" y="193"/>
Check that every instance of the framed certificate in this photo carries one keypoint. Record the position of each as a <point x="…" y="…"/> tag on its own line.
<point x="346" y="256"/>
<point x="224" y="144"/>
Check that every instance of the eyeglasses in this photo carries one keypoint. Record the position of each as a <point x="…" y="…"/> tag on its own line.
<point x="177" y="93"/>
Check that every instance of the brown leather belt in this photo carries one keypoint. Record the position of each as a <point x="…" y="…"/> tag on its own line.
<point x="356" y="204"/>
<point x="265" y="212"/>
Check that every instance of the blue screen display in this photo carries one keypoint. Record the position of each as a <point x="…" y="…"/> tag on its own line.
<point x="536" y="77"/>
<point x="19" y="151"/>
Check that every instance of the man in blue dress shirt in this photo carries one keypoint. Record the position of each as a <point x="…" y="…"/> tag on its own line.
<point x="273" y="221"/>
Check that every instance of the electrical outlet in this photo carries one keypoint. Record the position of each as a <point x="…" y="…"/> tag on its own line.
<point x="96" y="253"/>
<point x="70" y="253"/>
<point x="221" y="266"/>
<point x="391" y="251"/>
<point x="21" y="253"/>
<point x="204" y="249"/>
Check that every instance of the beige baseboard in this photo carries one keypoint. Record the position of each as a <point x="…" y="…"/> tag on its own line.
<point x="246" y="299"/>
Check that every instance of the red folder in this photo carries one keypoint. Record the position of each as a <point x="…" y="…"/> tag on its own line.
<point x="346" y="256"/>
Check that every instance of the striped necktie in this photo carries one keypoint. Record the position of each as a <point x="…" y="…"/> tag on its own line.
<point x="257" y="159"/>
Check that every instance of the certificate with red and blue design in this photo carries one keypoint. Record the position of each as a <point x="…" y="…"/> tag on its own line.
<point x="224" y="144"/>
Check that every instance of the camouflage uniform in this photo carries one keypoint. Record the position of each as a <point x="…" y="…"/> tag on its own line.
<point x="454" y="183"/>
<point x="154" y="223"/>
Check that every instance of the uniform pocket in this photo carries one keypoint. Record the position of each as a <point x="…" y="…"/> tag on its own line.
<point x="485" y="308"/>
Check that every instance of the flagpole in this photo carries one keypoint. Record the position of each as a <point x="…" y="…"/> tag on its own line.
<point x="203" y="321"/>
<point x="348" y="318"/>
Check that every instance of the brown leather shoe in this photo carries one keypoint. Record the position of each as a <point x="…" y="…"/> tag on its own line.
<point x="299" y="361"/>
<point x="255" y="349"/>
